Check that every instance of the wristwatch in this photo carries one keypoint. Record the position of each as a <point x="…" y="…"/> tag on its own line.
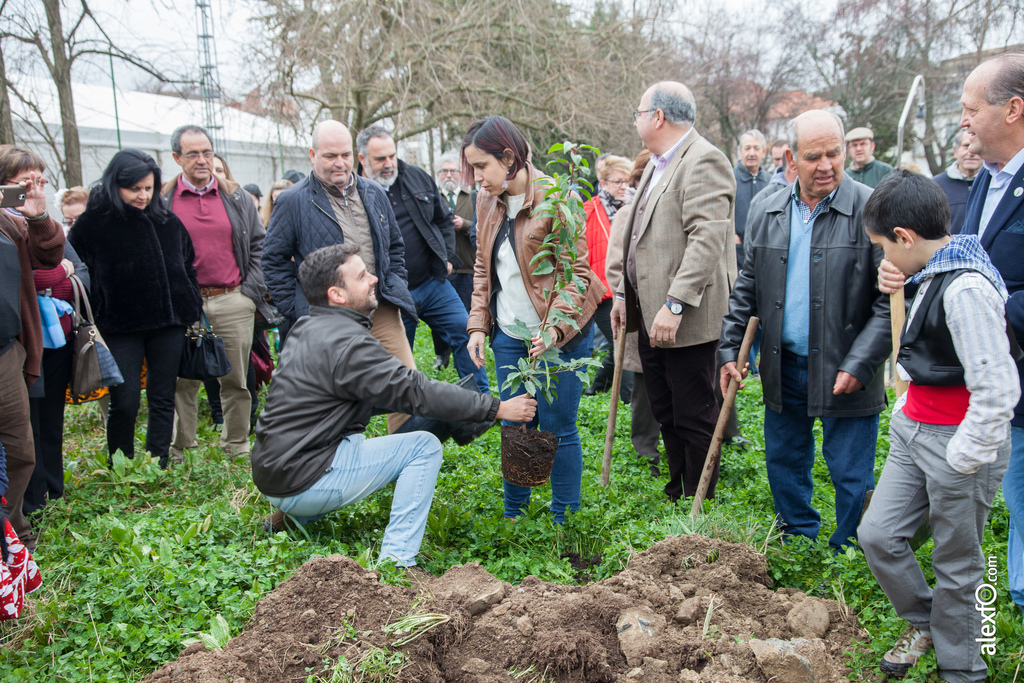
<point x="674" y="307"/>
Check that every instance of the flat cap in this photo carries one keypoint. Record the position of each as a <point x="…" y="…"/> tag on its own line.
<point x="860" y="133"/>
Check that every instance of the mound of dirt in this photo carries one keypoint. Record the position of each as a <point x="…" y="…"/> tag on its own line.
<point x="688" y="609"/>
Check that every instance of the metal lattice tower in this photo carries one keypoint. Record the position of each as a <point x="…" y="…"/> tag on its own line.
<point x="209" y="85"/>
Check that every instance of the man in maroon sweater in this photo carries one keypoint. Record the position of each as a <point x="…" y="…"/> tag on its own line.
<point x="28" y="239"/>
<point x="227" y="234"/>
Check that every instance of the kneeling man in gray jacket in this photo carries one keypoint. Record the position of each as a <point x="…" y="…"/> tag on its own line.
<point x="311" y="456"/>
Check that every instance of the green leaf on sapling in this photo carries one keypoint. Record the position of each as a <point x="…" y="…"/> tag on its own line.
<point x="544" y="268"/>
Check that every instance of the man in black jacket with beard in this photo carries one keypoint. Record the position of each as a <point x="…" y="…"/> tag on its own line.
<point x="310" y="455"/>
<point x="428" y="232"/>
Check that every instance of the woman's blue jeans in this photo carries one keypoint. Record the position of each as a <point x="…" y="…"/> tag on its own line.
<point x="558" y="417"/>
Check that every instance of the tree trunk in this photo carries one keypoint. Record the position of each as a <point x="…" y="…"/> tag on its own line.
<point x="6" y="123"/>
<point x="61" y="74"/>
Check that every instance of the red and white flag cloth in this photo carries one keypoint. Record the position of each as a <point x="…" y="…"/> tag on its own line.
<point x="19" y="575"/>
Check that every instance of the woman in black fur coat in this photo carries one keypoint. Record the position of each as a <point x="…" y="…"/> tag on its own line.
<point x="144" y="293"/>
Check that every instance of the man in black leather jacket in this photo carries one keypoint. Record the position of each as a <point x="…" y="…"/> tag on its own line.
<point x="428" y="232"/>
<point x="310" y="455"/>
<point x="810" y="276"/>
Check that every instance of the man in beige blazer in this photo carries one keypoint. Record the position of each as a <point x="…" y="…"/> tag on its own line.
<point x="680" y="264"/>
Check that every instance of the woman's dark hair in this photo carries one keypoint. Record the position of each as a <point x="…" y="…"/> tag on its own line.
<point x="500" y="138"/>
<point x="15" y="161"/>
<point x="126" y="168"/>
<point x="904" y="199"/>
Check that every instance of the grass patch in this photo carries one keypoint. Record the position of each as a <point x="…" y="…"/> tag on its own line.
<point x="136" y="561"/>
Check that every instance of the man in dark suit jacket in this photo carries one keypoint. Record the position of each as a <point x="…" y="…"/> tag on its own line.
<point x="462" y="201"/>
<point x="750" y="179"/>
<point x="993" y="103"/>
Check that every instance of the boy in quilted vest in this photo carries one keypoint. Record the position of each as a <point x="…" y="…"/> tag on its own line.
<point x="949" y="435"/>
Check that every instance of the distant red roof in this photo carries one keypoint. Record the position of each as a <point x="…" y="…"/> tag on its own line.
<point x="796" y="102"/>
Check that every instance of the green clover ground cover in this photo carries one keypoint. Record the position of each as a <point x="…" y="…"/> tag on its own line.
<point x="135" y="560"/>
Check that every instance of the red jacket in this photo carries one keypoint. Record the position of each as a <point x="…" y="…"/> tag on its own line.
<point x="40" y="246"/>
<point x="598" y="229"/>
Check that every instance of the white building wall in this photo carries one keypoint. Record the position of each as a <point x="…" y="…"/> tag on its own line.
<point x="257" y="149"/>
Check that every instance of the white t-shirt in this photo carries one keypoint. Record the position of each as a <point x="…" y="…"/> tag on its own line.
<point x="513" y="298"/>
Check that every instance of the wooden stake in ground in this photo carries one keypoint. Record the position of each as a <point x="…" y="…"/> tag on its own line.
<point x="897" y="316"/>
<point x="613" y="408"/>
<point x="715" y="450"/>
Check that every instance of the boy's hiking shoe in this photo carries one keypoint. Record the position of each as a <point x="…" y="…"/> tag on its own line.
<point x="909" y="647"/>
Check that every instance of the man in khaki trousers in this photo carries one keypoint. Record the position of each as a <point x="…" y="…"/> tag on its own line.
<point x="227" y="234"/>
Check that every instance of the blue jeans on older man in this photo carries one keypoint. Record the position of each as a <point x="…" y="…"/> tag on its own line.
<point x="558" y="417"/>
<point x="439" y="306"/>
<point x="362" y="467"/>
<point x="848" y="447"/>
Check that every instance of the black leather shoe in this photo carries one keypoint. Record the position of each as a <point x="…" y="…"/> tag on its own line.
<point x="418" y="423"/>
<point x="464" y="433"/>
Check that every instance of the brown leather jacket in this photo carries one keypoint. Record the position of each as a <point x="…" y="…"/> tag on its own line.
<point x="529" y="233"/>
<point x="40" y="244"/>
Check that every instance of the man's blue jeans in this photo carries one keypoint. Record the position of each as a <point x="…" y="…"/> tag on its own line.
<point x="848" y="447"/>
<point x="440" y="307"/>
<point x="558" y="417"/>
<point x="361" y="467"/>
<point x="1013" y="493"/>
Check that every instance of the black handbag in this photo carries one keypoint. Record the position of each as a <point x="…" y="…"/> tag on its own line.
<point x="203" y="356"/>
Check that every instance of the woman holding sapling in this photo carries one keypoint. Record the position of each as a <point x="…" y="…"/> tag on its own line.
<point x="511" y="303"/>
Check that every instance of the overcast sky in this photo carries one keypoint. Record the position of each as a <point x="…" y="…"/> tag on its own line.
<point x="165" y="33"/>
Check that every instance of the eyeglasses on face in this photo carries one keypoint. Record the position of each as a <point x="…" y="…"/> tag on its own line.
<point x="192" y="156"/>
<point x="636" y="114"/>
<point x="448" y="171"/>
<point x="615" y="182"/>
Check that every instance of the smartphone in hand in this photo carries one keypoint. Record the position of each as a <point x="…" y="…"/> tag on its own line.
<point x="12" y="195"/>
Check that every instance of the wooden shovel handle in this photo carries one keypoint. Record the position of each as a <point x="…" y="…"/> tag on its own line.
<point x="897" y="316"/>
<point x="609" y="437"/>
<point x="715" y="449"/>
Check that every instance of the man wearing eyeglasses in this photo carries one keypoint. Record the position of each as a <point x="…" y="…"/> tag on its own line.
<point x="227" y="234"/>
<point x="679" y="264"/>
<point x="462" y="202"/>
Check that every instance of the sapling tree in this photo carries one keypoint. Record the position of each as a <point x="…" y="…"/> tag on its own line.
<point x="557" y="255"/>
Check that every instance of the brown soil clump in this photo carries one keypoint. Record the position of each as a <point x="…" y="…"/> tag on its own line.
<point x="688" y="609"/>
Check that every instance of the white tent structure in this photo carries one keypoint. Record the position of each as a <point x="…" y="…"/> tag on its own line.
<point x="257" y="149"/>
